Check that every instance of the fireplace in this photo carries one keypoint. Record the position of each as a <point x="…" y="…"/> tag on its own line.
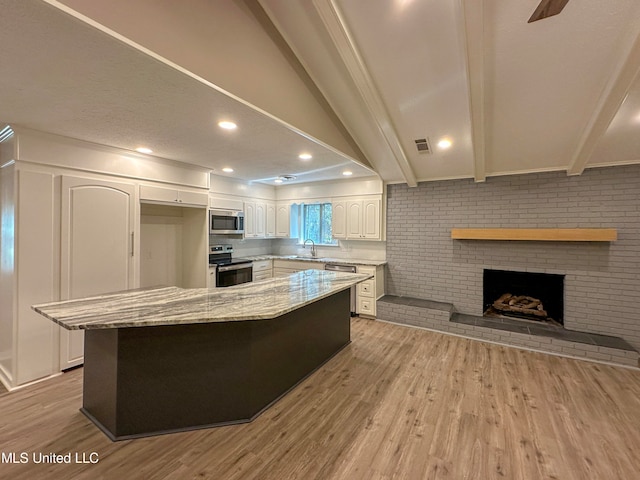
<point x="525" y="295"/>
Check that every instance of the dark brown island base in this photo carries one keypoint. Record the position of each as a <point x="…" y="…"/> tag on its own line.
<point x="183" y="372"/>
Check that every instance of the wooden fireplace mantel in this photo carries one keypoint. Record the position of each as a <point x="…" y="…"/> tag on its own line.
<point x="537" y="234"/>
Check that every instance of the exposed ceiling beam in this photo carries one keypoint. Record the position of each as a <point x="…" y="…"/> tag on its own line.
<point x="333" y="21"/>
<point x="548" y="8"/>
<point x="608" y="105"/>
<point x="472" y="13"/>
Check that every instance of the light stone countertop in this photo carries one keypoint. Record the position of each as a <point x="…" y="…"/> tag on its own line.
<point x="259" y="300"/>
<point x="303" y="258"/>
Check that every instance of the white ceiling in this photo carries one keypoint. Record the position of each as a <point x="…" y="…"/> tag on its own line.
<point x="60" y="75"/>
<point x="559" y="94"/>
<point x="513" y="97"/>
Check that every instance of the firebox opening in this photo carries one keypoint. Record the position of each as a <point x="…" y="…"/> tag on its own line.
<point x="525" y="295"/>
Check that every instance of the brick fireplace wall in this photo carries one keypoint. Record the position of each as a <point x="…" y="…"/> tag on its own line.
<point x="602" y="283"/>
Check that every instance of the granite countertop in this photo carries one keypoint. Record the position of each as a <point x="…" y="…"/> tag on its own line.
<point x="260" y="300"/>
<point x="302" y="258"/>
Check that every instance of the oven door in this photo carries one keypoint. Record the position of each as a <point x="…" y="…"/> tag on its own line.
<point x="234" y="274"/>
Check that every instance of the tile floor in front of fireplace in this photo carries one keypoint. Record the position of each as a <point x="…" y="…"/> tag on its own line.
<point x="542" y="329"/>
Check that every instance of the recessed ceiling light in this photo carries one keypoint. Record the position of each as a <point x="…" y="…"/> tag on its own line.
<point x="144" y="150"/>
<point x="347" y="173"/>
<point x="227" y="125"/>
<point x="227" y="169"/>
<point x="305" y="156"/>
<point x="444" y="143"/>
<point x="278" y="180"/>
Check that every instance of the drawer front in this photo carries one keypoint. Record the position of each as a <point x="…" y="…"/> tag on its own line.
<point x="298" y="264"/>
<point x="261" y="275"/>
<point x="367" y="289"/>
<point x="262" y="265"/>
<point x="367" y="306"/>
<point x="281" y="272"/>
<point x="366" y="269"/>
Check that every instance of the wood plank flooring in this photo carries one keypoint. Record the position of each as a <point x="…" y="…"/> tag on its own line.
<point x="398" y="403"/>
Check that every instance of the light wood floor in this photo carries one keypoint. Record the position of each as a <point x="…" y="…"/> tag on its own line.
<point x="397" y="403"/>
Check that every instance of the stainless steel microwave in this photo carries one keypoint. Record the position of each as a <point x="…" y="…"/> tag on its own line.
<point x="226" y="222"/>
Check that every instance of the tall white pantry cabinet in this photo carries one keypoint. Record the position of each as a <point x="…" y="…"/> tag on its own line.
<point x="70" y="217"/>
<point x="97" y="247"/>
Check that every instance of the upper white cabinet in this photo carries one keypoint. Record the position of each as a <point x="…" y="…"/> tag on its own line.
<point x="271" y="220"/>
<point x="266" y="219"/>
<point x="261" y="219"/>
<point x="172" y="196"/>
<point x="283" y="220"/>
<point x="339" y="219"/>
<point x="357" y="219"/>
<point x="255" y="219"/>
<point x="97" y="247"/>
<point x="250" y="220"/>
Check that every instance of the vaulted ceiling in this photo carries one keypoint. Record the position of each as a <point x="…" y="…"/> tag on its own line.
<point x="356" y="82"/>
<point x="511" y="96"/>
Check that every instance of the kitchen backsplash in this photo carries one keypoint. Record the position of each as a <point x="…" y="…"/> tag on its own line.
<point x="364" y="250"/>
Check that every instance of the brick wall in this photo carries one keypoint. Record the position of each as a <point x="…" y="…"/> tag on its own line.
<point x="602" y="283"/>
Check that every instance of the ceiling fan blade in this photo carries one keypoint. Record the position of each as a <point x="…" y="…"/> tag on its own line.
<point x="548" y="8"/>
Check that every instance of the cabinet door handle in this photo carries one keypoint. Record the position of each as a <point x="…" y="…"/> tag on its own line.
<point x="132" y="242"/>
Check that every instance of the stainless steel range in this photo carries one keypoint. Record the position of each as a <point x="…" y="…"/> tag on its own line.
<point x="229" y="271"/>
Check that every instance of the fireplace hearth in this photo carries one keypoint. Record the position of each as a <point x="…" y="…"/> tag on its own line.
<point x="530" y="296"/>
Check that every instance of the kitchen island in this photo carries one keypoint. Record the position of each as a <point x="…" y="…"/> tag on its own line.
<point x="163" y="360"/>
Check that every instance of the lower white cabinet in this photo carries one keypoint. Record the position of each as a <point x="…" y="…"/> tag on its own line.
<point x="211" y="277"/>
<point x="286" y="267"/>
<point x="368" y="292"/>
<point x="262" y="269"/>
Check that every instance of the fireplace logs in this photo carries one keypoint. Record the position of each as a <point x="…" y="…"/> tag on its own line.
<point x="520" y="304"/>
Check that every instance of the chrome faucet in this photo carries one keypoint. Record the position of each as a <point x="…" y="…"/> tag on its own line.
<point x="313" y="246"/>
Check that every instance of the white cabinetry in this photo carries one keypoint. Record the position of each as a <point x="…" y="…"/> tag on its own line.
<point x="286" y="267"/>
<point x="261" y="219"/>
<point x="262" y="269"/>
<point x="211" y="277"/>
<point x="185" y="198"/>
<point x="339" y="219"/>
<point x="271" y="220"/>
<point x="256" y="219"/>
<point x="357" y="219"/>
<point x="28" y="341"/>
<point x="249" y="219"/>
<point x="97" y="247"/>
<point x="369" y="291"/>
<point x="283" y="220"/>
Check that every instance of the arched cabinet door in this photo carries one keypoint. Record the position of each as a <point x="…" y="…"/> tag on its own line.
<point x="97" y="247"/>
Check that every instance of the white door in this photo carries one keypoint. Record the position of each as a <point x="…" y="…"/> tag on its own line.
<point x="271" y="220"/>
<point x="283" y="219"/>
<point x="339" y="219"/>
<point x="249" y="219"/>
<point x="371" y="219"/>
<point x="261" y="219"/>
<point x="354" y="219"/>
<point x="97" y="247"/>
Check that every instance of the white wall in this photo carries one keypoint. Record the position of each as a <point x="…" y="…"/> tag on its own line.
<point x="7" y="262"/>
